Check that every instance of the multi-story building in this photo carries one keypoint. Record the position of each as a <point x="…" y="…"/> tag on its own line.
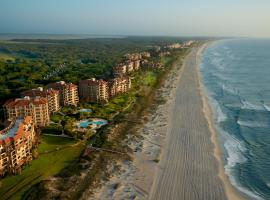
<point x="120" y="70"/>
<point x="16" y="143"/>
<point x="174" y="46"/>
<point x="137" y="64"/>
<point x="130" y="66"/>
<point x="119" y="85"/>
<point x="145" y="55"/>
<point x="68" y="93"/>
<point x="36" y="107"/>
<point x="188" y="43"/>
<point x="92" y="90"/>
<point x="134" y="56"/>
<point x="51" y="95"/>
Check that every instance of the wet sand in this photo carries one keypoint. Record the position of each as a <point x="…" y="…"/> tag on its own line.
<point x="190" y="166"/>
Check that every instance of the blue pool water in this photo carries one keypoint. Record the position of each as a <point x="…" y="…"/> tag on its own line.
<point x="86" y="123"/>
<point x="236" y="76"/>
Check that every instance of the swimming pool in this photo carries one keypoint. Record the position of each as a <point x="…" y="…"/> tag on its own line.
<point x="86" y="123"/>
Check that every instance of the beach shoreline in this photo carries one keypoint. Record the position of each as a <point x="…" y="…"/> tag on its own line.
<point x="231" y="192"/>
<point x="149" y="174"/>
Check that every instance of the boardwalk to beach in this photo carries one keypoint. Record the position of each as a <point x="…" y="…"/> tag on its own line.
<point x="188" y="169"/>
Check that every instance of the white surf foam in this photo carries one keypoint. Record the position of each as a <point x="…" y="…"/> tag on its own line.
<point x="218" y="114"/>
<point x="251" y="106"/>
<point x="266" y="107"/>
<point x="235" y="150"/>
<point x="252" y="124"/>
<point x="228" y="89"/>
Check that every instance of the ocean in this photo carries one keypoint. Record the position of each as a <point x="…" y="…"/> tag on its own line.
<point x="236" y="78"/>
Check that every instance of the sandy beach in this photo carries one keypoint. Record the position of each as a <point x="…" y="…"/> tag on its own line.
<point x="176" y="154"/>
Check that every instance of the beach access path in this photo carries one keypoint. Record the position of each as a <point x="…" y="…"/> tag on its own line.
<point x="188" y="169"/>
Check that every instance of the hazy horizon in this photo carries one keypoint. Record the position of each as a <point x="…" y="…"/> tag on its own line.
<point x="208" y="18"/>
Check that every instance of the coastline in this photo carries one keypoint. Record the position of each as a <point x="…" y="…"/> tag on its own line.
<point x="140" y="177"/>
<point x="135" y="178"/>
<point x="231" y="192"/>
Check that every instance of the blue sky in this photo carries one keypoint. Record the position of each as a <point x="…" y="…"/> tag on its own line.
<point x="137" y="17"/>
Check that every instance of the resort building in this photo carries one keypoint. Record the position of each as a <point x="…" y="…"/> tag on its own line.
<point x="145" y="55"/>
<point x="119" y="85"/>
<point x="51" y="95"/>
<point x="130" y="66"/>
<point x="16" y="143"/>
<point x="36" y="107"/>
<point x="92" y="90"/>
<point x="134" y="56"/>
<point x="68" y="92"/>
<point x="120" y="70"/>
<point x="188" y="43"/>
<point x="137" y="65"/>
<point x="174" y="46"/>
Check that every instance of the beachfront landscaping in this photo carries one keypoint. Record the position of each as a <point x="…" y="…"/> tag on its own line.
<point x="53" y="153"/>
<point x="72" y="128"/>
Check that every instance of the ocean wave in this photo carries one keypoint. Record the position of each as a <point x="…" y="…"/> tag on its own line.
<point x="219" y="76"/>
<point x="252" y="124"/>
<point x="267" y="108"/>
<point x="218" y="114"/>
<point x="251" y="106"/>
<point x="217" y="62"/>
<point x="228" y="89"/>
<point x="235" y="150"/>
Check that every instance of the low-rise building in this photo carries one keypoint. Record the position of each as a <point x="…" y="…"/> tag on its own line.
<point x="51" y="95"/>
<point x="68" y="92"/>
<point x="36" y="107"/>
<point x="119" y="85"/>
<point x="16" y="143"/>
<point x="92" y="90"/>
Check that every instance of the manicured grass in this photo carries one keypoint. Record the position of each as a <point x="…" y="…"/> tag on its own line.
<point x="6" y="57"/>
<point x="55" y="153"/>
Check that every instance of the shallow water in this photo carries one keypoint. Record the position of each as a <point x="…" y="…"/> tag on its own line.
<point x="236" y="76"/>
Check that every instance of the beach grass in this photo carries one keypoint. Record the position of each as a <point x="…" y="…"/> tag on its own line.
<point x="55" y="153"/>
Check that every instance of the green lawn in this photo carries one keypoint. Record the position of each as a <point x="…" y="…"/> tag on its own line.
<point x="54" y="154"/>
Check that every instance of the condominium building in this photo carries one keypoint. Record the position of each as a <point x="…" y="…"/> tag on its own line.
<point x="119" y="85"/>
<point x="36" y="107"/>
<point x="145" y="55"/>
<point x="137" y="64"/>
<point x="134" y="56"/>
<point x="16" y="143"/>
<point x="174" y="46"/>
<point x="51" y="95"/>
<point x="120" y="70"/>
<point x="68" y="92"/>
<point x="130" y="66"/>
<point x="92" y="90"/>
